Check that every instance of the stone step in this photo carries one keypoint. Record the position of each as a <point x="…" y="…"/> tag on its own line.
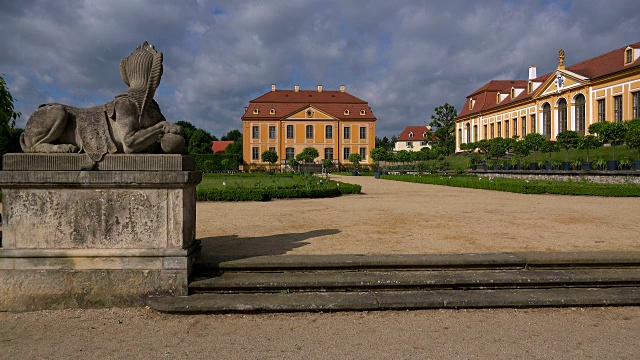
<point x="398" y="300"/>
<point x="333" y="280"/>
<point x="213" y="264"/>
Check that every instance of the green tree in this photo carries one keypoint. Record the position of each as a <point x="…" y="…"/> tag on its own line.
<point x="567" y="140"/>
<point x="379" y="154"/>
<point x="588" y="142"/>
<point x="270" y="156"/>
<point x="443" y="140"/>
<point x="535" y="143"/>
<point x="233" y="135"/>
<point x="632" y="137"/>
<point x="200" y="142"/>
<point x="355" y="159"/>
<point x="403" y="156"/>
<point x="9" y="135"/>
<point x="384" y="143"/>
<point x="307" y="155"/>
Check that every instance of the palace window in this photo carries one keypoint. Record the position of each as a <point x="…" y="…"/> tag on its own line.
<point x="546" y="120"/>
<point x="467" y="130"/>
<point x="347" y="133"/>
<point x="580" y="114"/>
<point x="617" y="108"/>
<point x="515" y="127"/>
<point x="309" y="131"/>
<point x="499" y="129"/>
<point x="363" y="153"/>
<point x="328" y="153"/>
<point x="255" y="153"/>
<point x="533" y="123"/>
<point x="345" y="153"/>
<point x="506" y="129"/>
<point x="524" y="126"/>
<point x="328" y="132"/>
<point x="601" y="111"/>
<point x="363" y="112"/>
<point x="272" y="132"/>
<point x="475" y="134"/>
<point x="530" y="87"/>
<point x="255" y="132"/>
<point x="289" y="131"/>
<point x="486" y="135"/>
<point x="289" y="153"/>
<point x="272" y="149"/>
<point x="562" y="115"/>
<point x="492" y="132"/>
<point x="636" y="104"/>
<point x="409" y="144"/>
<point x="256" y="111"/>
<point x="272" y="111"/>
<point x="346" y="112"/>
<point x="628" y="58"/>
<point x="363" y="133"/>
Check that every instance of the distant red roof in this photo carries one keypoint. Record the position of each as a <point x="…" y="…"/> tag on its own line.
<point x="281" y="103"/>
<point x="599" y="66"/>
<point x="219" y="146"/>
<point x="414" y="133"/>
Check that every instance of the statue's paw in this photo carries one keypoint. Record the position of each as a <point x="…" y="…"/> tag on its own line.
<point x="66" y="148"/>
<point x="171" y="128"/>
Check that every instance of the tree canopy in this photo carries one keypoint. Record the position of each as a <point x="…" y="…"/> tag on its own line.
<point x="9" y="135"/>
<point x="444" y="140"/>
<point x="307" y="155"/>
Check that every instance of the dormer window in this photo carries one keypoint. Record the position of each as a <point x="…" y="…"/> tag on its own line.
<point x="411" y="134"/>
<point x="628" y="56"/>
<point x="513" y="92"/>
<point x="498" y="98"/>
<point x="530" y="87"/>
<point x="272" y="111"/>
<point x="256" y="111"/>
<point x="346" y="112"/>
<point x="471" y="103"/>
<point x="363" y="112"/>
<point x="309" y="113"/>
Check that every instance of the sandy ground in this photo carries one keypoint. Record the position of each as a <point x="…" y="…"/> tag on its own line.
<point x="392" y="218"/>
<point x="403" y="218"/>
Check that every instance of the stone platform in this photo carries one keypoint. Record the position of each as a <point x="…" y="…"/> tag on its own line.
<point x="107" y="237"/>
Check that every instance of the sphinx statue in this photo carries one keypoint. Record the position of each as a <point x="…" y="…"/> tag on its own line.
<point x="131" y="123"/>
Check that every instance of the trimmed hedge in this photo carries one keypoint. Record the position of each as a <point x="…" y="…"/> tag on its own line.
<point x="268" y="193"/>
<point x="523" y="186"/>
<point x="214" y="162"/>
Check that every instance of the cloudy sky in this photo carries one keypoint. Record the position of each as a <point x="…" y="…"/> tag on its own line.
<point x="404" y="57"/>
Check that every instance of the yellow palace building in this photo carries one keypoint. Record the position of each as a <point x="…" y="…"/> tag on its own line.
<point x="333" y="122"/>
<point x="604" y="88"/>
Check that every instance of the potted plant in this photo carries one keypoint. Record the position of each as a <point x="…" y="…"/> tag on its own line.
<point x="515" y="163"/>
<point x="624" y="163"/>
<point x="541" y="164"/>
<point x="567" y="140"/>
<point x="475" y="160"/>
<point x="587" y="143"/>
<point x="600" y="163"/>
<point x="503" y="164"/>
<point x="556" y="164"/>
<point x="377" y="155"/>
<point x="355" y="159"/>
<point x="490" y="164"/>
<point x="534" y="142"/>
<point x="576" y="164"/>
<point x="525" y="164"/>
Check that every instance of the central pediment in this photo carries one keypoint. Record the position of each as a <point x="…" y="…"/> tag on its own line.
<point x="562" y="80"/>
<point x="309" y="112"/>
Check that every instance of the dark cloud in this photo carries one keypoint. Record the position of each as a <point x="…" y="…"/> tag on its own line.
<point x="404" y="58"/>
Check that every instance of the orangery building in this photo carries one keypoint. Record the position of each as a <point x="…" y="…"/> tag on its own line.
<point x="333" y="122"/>
<point x="604" y="88"/>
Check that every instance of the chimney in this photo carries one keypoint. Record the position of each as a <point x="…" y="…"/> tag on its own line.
<point x="273" y="87"/>
<point x="319" y="88"/>
<point x="297" y="88"/>
<point x="341" y="88"/>
<point x="532" y="72"/>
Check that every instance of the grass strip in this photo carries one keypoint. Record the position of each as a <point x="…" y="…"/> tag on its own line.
<point x="523" y="186"/>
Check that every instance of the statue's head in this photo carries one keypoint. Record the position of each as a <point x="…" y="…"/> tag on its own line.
<point x="142" y="71"/>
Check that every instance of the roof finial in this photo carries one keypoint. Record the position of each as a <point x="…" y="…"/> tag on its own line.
<point x="561" y="59"/>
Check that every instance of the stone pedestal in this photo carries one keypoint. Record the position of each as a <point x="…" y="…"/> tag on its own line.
<point x="110" y="236"/>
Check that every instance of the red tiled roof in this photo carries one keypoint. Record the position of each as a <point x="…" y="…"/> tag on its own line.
<point x="219" y="146"/>
<point x="418" y="133"/>
<point x="287" y="102"/>
<point x="599" y="66"/>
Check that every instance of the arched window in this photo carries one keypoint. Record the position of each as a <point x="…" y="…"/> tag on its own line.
<point x="468" y="132"/>
<point x="546" y="119"/>
<point x="562" y="115"/>
<point x="580" y="114"/>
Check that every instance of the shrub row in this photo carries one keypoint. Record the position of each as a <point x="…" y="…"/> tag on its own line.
<point x="217" y="162"/>
<point x="268" y="193"/>
<point x="523" y="186"/>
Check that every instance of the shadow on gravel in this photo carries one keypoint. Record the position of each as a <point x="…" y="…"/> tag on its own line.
<point x="232" y="247"/>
